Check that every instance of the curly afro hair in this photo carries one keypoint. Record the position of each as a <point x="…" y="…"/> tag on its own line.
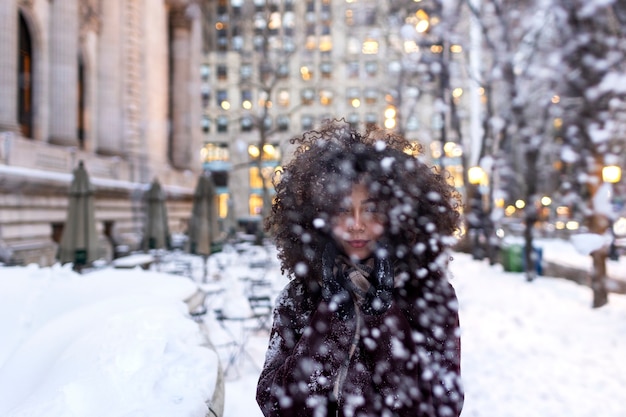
<point x="419" y="206"/>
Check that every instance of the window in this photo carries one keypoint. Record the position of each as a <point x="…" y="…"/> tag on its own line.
<point x="306" y="72"/>
<point x="247" y="123"/>
<point x="222" y="98"/>
<point x="245" y="72"/>
<point x="215" y="152"/>
<point x="352" y="69"/>
<point x="205" y="72"/>
<point x="206" y="124"/>
<point x="412" y="123"/>
<point x="222" y="72"/>
<point x="25" y="77"/>
<point x="283" y="123"/>
<point x="307" y="96"/>
<point x="353" y="120"/>
<point x="371" y="68"/>
<point x="246" y="99"/>
<point x="284" y="97"/>
<point x="371" y="95"/>
<point x="222" y="124"/>
<point x="371" y="120"/>
<point x="306" y="121"/>
<point x="353" y="96"/>
<point x="326" y="43"/>
<point x="326" y="69"/>
<point x="256" y="204"/>
<point x="205" y="92"/>
<point x="283" y="70"/>
<point x="326" y="97"/>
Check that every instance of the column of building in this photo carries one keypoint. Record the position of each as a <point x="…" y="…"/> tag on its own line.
<point x="8" y="65"/>
<point x="64" y="72"/>
<point x="132" y="78"/>
<point x="181" y="59"/>
<point x="109" y="127"/>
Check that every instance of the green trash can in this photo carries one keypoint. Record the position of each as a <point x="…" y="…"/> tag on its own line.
<point x="513" y="258"/>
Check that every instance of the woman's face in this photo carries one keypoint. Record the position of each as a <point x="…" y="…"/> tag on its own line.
<point x="358" y="223"/>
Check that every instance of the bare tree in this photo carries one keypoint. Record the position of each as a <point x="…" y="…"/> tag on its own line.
<point x="594" y="52"/>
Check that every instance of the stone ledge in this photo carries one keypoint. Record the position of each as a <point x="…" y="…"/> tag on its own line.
<point x="580" y="276"/>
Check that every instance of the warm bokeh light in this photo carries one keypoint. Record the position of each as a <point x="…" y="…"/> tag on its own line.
<point x="572" y="225"/>
<point x="520" y="204"/>
<point x="476" y="175"/>
<point x="390" y="123"/>
<point x="546" y="201"/>
<point x="611" y="174"/>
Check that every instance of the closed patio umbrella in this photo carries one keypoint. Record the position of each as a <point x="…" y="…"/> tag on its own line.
<point x="156" y="230"/>
<point x="203" y="223"/>
<point x="79" y="241"/>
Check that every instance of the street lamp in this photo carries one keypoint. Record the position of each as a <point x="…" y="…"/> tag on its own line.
<point x="477" y="222"/>
<point x="612" y="174"/>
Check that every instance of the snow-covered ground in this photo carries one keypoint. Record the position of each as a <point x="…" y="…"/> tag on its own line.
<point x="120" y="342"/>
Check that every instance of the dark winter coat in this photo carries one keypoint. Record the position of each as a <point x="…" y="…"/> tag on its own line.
<point x="406" y="361"/>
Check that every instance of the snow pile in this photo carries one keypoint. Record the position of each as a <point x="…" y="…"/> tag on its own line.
<point x="110" y="343"/>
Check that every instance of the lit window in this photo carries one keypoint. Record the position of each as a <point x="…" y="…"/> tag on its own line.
<point x="305" y="72"/>
<point x="370" y="47"/>
<point x="215" y="152"/>
<point x="222" y="97"/>
<point x="326" y="97"/>
<point x="284" y="97"/>
<point x="246" y="99"/>
<point x="256" y="204"/>
<point x="326" y="43"/>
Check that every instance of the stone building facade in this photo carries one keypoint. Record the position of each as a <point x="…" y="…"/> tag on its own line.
<point x="111" y="83"/>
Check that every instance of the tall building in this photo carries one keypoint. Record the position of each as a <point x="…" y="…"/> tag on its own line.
<point x="111" y="83"/>
<point x="276" y="68"/>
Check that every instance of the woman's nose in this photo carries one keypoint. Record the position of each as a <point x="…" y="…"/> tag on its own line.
<point x="355" y="223"/>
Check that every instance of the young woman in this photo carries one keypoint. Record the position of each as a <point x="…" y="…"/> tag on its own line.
<point x="368" y="325"/>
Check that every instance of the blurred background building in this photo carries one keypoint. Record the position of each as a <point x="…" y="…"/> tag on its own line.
<point x="144" y="90"/>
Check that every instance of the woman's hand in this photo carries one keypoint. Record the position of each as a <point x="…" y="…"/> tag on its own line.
<point x="380" y="294"/>
<point x="334" y="285"/>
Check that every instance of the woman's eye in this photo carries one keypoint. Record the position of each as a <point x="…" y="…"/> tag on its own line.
<point x="371" y="208"/>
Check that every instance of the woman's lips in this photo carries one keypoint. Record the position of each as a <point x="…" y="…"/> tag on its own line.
<point x="357" y="244"/>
